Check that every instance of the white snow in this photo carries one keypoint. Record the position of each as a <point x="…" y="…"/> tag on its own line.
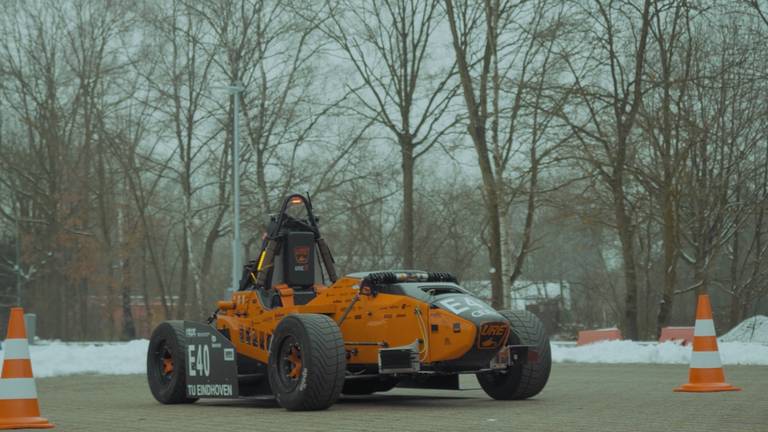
<point x="659" y="353"/>
<point x="123" y="358"/>
<point x="753" y="329"/>
<point x="621" y="352"/>
<point x="108" y="358"/>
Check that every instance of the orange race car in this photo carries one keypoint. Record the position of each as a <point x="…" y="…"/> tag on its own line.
<point x="296" y="330"/>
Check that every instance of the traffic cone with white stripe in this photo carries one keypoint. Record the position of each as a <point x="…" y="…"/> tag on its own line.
<point x="706" y="372"/>
<point x="18" y="394"/>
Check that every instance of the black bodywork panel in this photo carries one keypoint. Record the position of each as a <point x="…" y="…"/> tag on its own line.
<point x="210" y="361"/>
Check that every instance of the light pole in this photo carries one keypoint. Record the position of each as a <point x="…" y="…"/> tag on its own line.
<point x="235" y="89"/>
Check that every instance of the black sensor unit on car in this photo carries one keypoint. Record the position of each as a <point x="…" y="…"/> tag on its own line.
<point x="396" y="359"/>
<point x="299" y="258"/>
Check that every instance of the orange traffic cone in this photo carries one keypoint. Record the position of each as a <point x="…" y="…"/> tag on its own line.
<point x="706" y="372"/>
<point x="18" y="394"/>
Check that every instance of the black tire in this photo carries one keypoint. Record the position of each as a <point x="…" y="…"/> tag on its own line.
<point x="315" y="381"/>
<point x="167" y="344"/>
<point x="368" y="386"/>
<point x="526" y="380"/>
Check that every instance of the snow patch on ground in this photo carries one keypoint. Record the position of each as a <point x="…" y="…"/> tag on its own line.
<point x="753" y="329"/>
<point x="124" y="358"/>
<point x="62" y="358"/>
<point x="658" y="353"/>
<point x="621" y="352"/>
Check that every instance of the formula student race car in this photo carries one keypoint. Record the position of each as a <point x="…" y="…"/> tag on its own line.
<point x="297" y="331"/>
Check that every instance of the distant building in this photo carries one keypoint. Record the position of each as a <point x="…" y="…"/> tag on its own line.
<point x="145" y="317"/>
<point x="548" y="300"/>
<point x="525" y="293"/>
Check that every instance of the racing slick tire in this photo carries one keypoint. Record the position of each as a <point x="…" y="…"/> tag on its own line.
<point x="524" y="380"/>
<point x="367" y="386"/>
<point x="166" y="365"/>
<point x="307" y="362"/>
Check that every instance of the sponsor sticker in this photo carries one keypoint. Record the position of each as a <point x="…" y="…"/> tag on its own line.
<point x="211" y="390"/>
<point x="229" y="354"/>
<point x="492" y="335"/>
<point x="301" y="254"/>
<point x="303" y="382"/>
<point x="468" y="305"/>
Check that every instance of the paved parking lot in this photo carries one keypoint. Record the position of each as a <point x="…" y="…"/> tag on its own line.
<point x="579" y="397"/>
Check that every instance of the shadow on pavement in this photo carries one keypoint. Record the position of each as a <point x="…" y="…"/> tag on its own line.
<point x="377" y="400"/>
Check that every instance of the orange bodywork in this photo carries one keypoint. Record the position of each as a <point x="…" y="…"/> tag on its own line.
<point x="394" y="320"/>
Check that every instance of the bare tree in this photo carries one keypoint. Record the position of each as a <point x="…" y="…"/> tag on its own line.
<point x="389" y="45"/>
<point x="726" y="130"/>
<point x="610" y="119"/>
<point x="668" y="73"/>
<point x="181" y="77"/>
<point x="504" y="53"/>
<point x="61" y="73"/>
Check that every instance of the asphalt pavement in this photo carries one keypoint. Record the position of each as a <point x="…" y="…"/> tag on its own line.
<point x="578" y="397"/>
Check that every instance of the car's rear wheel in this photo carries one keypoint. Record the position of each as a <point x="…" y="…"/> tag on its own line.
<point x="166" y="369"/>
<point x="307" y="362"/>
<point x="529" y="378"/>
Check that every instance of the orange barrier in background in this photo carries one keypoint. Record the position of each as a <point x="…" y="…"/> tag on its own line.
<point x="592" y="336"/>
<point x="682" y="334"/>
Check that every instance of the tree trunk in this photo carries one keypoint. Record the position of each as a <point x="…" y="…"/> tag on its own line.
<point x="630" y="277"/>
<point x="494" y="216"/>
<point x="494" y="222"/>
<point x="625" y="122"/>
<point x="148" y="315"/>
<point x="129" y="329"/>
<point x="477" y="110"/>
<point x="529" y="216"/>
<point x="129" y="326"/>
<point x="408" y="226"/>
<point x="736" y="287"/>
<point x="207" y="259"/>
<point x="497" y="287"/>
<point x="626" y="237"/>
<point x="736" y="308"/>
<point x="669" y="240"/>
<point x="84" y="328"/>
<point x="181" y="309"/>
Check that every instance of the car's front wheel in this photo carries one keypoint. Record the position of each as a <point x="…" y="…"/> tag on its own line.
<point x="166" y="368"/>
<point x="524" y="380"/>
<point x="307" y="362"/>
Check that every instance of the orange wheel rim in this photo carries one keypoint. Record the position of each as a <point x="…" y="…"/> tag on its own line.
<point x="295" y="360"/>
<point x="167" y="365"/>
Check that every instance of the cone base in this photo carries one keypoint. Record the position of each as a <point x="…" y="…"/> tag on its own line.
<point x="25" y="423"/>
<point x="706" y="388"/>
